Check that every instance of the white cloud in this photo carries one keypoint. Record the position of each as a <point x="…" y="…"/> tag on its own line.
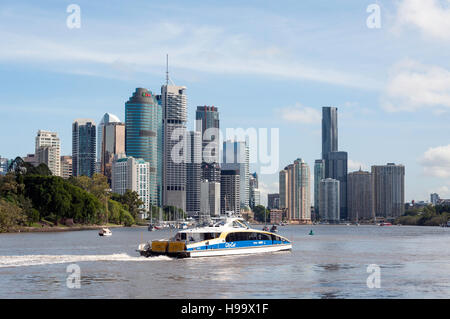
<point x="431" y="17"/>
<point x="265" y="189"/>
<point x="413" y="86"/>
<point x="300" y="114"/>
<point x="443" y="191"/>
<point x="355" y="166"/>
<point x="436" y="161"/>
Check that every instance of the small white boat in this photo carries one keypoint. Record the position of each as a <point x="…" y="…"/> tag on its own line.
<point x="231" y="236"/>
<point x="105" y="232"/>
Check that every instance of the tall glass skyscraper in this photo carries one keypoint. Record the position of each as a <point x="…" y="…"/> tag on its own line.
<point x="207" y="120"/>
<point x="236" y="157"/>
<point x="319" y="174"/>
<point x="143" y="125"/>
<point x="83" y="147"/>
<point x="329" y="130"/>
<point x="106" y="118"/>
<point x="336" y="168"/>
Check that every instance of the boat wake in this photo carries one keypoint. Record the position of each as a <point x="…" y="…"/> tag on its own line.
<point x="34" y="260"/>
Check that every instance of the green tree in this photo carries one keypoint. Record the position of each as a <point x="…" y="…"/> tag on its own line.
<point x="130" y="199"/>
<point x="261" y="213"/>
<point x="10" y="216"/>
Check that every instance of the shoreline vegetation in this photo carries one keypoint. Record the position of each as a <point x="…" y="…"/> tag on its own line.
<point x="31" y="199"/>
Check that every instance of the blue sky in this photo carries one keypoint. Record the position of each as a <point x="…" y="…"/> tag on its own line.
<point x="269" y="64"/>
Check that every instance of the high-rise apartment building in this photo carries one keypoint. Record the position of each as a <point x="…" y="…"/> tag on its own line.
<point x="255" y="195"/>
<point x="389" y="190"/>
<point x="193" y="172"/>
<point x="319" y="174"/>
<point x="296" y="180"/>
<point x="113" y="142"/>
<point x="143" y="137"/>
<point x="106" y="119"/>
<point x="66" y="166"/>
<point x="236" y="157"/>
<point x="329" y="205"/>
<point x="230" y="191"/>
<point x="83" y="147"/>
<point x="434" y="199"/>
<point x="283" y="188"/>
<point x="48" y="150"/>
<point x="336" y="168"/>
<point x="133" y="174"/>
<point x="174" y="105"/>
<point x="360" y="196"/>
<point x="209" y="198"/>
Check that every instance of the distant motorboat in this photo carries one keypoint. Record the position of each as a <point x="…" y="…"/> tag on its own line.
<point x="385" y="224"/>
<point x="105" y="232"/>
<point x="273" y="229"/>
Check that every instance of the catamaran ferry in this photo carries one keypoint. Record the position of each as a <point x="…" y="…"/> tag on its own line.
<point x="231" y="236"/>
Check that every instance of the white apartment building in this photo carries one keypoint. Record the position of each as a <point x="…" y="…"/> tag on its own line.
<point x="48" y="150"/>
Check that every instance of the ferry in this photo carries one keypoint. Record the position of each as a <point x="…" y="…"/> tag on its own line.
<point x="231" y="236"/>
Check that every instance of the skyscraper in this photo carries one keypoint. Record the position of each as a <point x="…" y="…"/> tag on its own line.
<point x="48" y="150"/>
<point x="283" y="188"/>
<point x="193" y="172"/>
<point x="143" y="136"/>
<point x="336" y="168"/>
<point x="83" y="147"/>
<point x="273" y="201"/>
<point x="329" y="200"/>
<point x="255" y="195"/>
<point x="174" y="105"/>
<point x="230" y="191"/>
<point x="106" y="118"/>
<point x="389" y="190"/>
<point x="360" y="196"/>
<point x="236" y="157"/>
<point x="329" y="130"/>
<point x="209" y="198"/>
<point x="297" y="178"/>
<point x="113" y="142"/>
<point x="434" y="199"/>
<point x="207" y="123"/>
<point x="319" y="174"/>
<point x="66" y="166"/>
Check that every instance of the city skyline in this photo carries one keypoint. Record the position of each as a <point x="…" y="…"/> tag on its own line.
<point x="369" y="129"/>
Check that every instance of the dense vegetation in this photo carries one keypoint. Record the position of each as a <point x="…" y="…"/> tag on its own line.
<point x="30" y="195"/>
<point x="261" y="214"/>
<point x="425" y="216"/>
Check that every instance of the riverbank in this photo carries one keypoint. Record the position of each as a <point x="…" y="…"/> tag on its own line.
<point x="55" y="229"/>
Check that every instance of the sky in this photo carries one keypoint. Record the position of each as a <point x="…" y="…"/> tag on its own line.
<point x="264" y="64"/>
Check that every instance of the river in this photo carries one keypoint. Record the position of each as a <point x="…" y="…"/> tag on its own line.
<point x="414" y="262"/>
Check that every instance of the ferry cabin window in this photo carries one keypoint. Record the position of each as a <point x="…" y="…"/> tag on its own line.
<point x="241" y="236"/>
<point x="208" y="236"/>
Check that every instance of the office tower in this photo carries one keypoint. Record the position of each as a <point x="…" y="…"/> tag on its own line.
<point x="193" y="172"/>
<point x="174" y="105"/>
<point x="230" y="191"/>
<point x="283" y="188"/>
<point x="336" y="168"/>
<point x="143" y="136"/>
<point x="329" y="130"/>
<point x="329" y="205"/>
<point x="236" y="157"/>
<point x="254" y="199"/>
<point x="434" y="199"/>
<point x="113" y="142"/>
<point x="83" y="147"/>
<point x="211" y="172"/>
<point x="207" y="122"/>
<point x="209" y="198"/>
<point x="273" y="201"/>
<point x="389" y="190"/>
<point x="319" y="174"/>
<point x="4" y="165"/>
<point x="133" y="174"/>
<point x="66" y="166"/>
<point x="106" y="119"/>
<point x="360" y="196"/>
<point x="297" y="178"/>
<point x="48" y="150"/>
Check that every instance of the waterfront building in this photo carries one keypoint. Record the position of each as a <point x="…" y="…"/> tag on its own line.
<point x="143" y="136"/>
<point x="230" y="191"/>
<point x="174" y="104"/>
<point x="329" y="205"/>
<point x="66" y="166"/>
<point x="133" y="174"/>
<point x="434" y="199"/>
<point x="209" y="198"/>
<point x="319" y="174"/>
<point x="336" y="168"/>
<point x="360" y="196"/>
<point x="389" y="190"/>
<point x="283" y="188"/>
<point x="276" y="216"/>
<point x="236" y="157"/>
<point x="48" y="150"/>
<point x="273" y="201"/>
<point x="193" y="172"/>
<point x="106" y="119"/>
<point x="83" y="147"/>
<point x="329" y="130"/>
<point x="297" y="178"/>
<point x="113" y="142"/>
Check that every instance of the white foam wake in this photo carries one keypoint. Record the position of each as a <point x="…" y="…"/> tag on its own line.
<point x="33" y="260"/>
